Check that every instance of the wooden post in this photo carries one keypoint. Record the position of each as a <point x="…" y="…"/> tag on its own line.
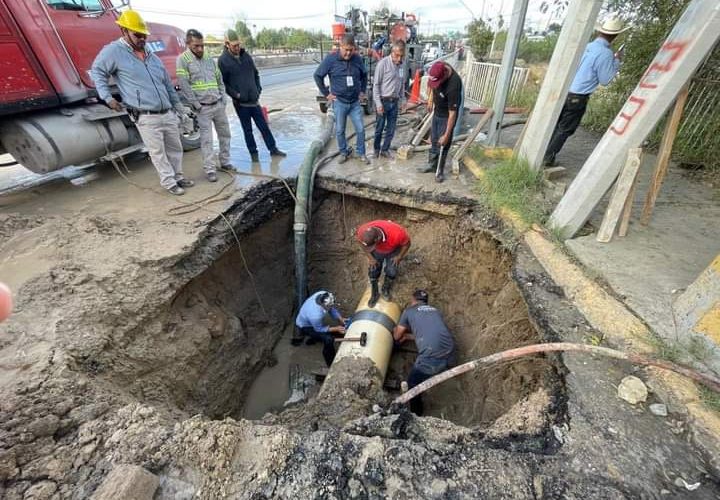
<point x="423" y="129"/>
<point x="627" y="209"/>
<point x="693" y="36"/>
<point x="623" y="186"/>
<point x="470" y="138"/>
<point x="663" y="161"/>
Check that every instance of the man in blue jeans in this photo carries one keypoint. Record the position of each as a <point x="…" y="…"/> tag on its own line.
<point x="435" y="344"/>
<point x="310" y="322"/>
<point x="348" y="80"/>
<point x="389" y="97"/>
<point x="242" y="84"/>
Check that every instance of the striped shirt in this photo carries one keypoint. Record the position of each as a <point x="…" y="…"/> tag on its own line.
<point x="388" y="81"/>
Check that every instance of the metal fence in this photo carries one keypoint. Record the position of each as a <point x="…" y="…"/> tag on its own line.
<point x="698" y="140"/>
<point x="481" y="80"/>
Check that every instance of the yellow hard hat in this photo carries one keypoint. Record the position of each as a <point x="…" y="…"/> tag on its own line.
<point x="131" y="20"/>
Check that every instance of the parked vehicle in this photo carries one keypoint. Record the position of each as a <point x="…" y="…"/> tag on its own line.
<point x="432" y="51"/>
<point x="50" y="116"/>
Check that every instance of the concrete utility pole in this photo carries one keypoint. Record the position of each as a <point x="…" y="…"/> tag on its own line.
<point x="508" y="66"/>
<point x="691" y="39"/>
<point x="573" y="39"/>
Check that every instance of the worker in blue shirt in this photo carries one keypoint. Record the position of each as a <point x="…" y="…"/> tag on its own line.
<point x="310" y="322"/>
<point x="348" y="80"/>
<point x="598" y="66"/>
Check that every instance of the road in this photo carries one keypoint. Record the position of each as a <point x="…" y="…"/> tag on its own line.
<point x="270" y="77"/>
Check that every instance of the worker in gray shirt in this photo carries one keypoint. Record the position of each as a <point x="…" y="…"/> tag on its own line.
<point x="147" y="94"/>
<point x="435" y="344"/>
<point x="388" y="96"/>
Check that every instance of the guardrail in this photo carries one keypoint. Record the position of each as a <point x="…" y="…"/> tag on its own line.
<point x="481" y="79"/>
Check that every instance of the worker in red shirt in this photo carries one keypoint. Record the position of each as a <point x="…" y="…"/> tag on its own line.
<point x="385" y="243"/>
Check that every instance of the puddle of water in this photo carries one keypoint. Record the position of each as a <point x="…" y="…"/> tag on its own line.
<point x="271" y="389"/>
<point x="293" y="134"/>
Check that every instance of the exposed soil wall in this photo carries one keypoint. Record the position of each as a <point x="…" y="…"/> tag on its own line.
<point x="467" y="274"/>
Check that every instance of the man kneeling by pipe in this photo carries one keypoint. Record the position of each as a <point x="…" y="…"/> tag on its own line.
<point x="435" y="344"/>
<point x="310" y="319"/>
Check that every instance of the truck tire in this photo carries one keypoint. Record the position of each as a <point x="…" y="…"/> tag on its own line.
<point x="192" y="140"/>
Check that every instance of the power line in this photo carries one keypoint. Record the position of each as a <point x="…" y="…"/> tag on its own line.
<point x="212" y="16"/>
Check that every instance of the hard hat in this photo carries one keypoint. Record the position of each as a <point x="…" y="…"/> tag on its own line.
<point x="132" y="21"/>
<point x="612" y="26"/>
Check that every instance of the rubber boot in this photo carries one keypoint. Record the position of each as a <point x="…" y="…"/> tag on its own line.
<point x="374" y="293"/>
<point x="440" y="171"/>
<point x="387" y="286"/>
<point x="431" y="164"/>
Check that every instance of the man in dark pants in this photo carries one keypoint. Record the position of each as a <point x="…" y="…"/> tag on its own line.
<point x="598" y="66"/>
<point x="389" y="97"/>
<point x="309" y="322"/>
<point x="446" y="99"/>
<point x="384" y="242"/>
<point x="242" y="83"/>
<point x="435" y="344"/>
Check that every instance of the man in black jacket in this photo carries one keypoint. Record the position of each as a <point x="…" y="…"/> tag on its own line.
<point x="242" y="84"/>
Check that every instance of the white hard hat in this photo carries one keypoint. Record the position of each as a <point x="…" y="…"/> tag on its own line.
<point x="612" y="26"/>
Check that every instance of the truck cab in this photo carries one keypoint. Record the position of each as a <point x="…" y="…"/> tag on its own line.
<point x="49" y="113"/>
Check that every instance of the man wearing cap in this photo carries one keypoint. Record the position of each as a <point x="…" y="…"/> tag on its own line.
<point x="310" y="322"/>
<point x="348" y="80"/>
<point x="242" y="84"/>
<point x="388" y="96"/>
<point x="202" y="87"/>
<point x="147" y="94"/>
<point x="446" y="100"/>
<point x="598" y="66"/>
<point x="385" y="243"/>
<point x="435" y="344"/>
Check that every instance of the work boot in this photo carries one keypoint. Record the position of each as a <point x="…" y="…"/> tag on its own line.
<point x="387" y="154"/>
<point x="254" y="157"/>
<point x="185" y="183"/>
<point x="364" y="159"/>
<point x="387" y="286"/>
<point x="176" y="190"/>
<point x="211" y="177"/>
<point x="227" y="168"/>
<point x="344" y="156"/>
<point x="374" y="293"/>
<point x="431" y="164"/>
<point x="277" y="152"/>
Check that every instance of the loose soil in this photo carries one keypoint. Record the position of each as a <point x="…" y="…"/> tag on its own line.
<point x="116" y="359"/>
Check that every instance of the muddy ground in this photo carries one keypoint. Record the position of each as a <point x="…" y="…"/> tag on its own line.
<point x="137" y="343"/>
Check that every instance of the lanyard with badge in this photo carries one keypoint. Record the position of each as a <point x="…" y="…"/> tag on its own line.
<point x="348" y="78"/>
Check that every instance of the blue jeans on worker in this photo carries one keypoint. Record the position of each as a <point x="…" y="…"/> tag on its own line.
<point x="249" y="114"/>
<point x="387" y="122"/>
<point x="387" y="260"/>
<point x="327" y="340"/>
<point x="342" y="111"/>
<point x="423" y="369"/>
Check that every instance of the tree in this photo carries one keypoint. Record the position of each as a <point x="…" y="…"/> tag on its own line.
<point x="480" y="37"/>
<point x="245" y="34"/>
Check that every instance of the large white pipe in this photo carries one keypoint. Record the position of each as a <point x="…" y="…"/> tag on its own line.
<point x="378" y="324"/>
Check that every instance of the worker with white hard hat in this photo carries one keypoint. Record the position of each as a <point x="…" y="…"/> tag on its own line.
<point x="598" y="66"/>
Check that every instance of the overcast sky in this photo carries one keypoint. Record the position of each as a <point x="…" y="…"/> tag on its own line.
<point x="214" y="16"/>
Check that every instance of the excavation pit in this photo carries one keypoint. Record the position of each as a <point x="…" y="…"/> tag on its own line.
<point x="222" y="346"/>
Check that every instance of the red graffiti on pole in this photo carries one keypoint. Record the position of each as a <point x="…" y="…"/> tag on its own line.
<point x="675" y="49"/>
<point x="633" y="106"/>
<point x="664" y="62"/>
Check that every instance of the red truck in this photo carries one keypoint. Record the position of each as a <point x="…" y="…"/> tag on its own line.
<point x="50" y="116"/>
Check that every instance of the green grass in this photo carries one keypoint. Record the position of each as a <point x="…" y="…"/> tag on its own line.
<point x="513" y="185"/>
<point x="710" y="398"/>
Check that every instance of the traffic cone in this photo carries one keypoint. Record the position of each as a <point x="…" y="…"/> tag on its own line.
<point x="415" y="92"/>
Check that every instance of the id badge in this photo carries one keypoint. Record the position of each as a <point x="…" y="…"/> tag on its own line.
<point x="349" y="81"/>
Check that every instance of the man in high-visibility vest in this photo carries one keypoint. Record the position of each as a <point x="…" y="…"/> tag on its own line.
<point x="201" y="86"/>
